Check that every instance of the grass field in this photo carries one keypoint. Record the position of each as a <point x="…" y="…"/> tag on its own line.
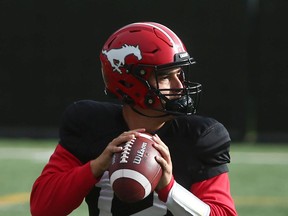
<point x="259" y="176"/>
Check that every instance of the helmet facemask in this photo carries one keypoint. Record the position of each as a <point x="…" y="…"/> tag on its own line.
<point x="175" y="101"/>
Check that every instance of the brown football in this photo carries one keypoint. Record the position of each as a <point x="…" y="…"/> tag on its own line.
<point x="134" y="172"/>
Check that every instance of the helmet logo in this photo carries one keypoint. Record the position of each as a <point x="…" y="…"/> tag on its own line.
<point x="116" y="57"/>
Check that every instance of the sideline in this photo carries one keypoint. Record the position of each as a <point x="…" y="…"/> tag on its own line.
<point x="41" y="155"/>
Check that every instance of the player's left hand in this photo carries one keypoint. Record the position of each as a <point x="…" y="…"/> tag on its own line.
<point x="164" y="161"/>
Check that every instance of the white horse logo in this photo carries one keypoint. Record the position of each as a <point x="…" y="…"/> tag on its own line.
<point x="116" y="57"/>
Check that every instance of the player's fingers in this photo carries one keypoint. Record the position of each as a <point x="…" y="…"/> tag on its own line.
<point x="135" y="131"/>
<point x="166" y="171"/>
<point x="132" y="133"/>
<point x="163" y="163"/>
<point x="157" y="139"/>
<point x="162" y="148"/>
<point x="115" y="149"/>
<point x="126" y="136"/>
<point x="138" y="130"/>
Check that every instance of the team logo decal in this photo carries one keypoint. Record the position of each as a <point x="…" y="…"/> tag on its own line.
<point x="116" y="57"/>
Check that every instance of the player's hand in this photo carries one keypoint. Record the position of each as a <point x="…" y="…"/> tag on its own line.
<point x="164" y="161"/>
<point x="102" y="163"/>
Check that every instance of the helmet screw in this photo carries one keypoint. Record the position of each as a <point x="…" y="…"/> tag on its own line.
<point x="142" y="72"/>
<point x="150" y="101"/>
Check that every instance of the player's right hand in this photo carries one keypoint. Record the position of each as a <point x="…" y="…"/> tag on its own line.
<point x="102" y="163"/>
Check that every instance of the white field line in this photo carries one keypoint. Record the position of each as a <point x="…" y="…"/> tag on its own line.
<point x="43" y="155"/>
<point x="261" y="158"/>
<point x="33" y="154"/>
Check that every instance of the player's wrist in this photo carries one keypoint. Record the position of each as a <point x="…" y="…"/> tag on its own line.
<point x="96" y="169"/>
<point x="181" y="201"/>
<point x="164" y="192"/>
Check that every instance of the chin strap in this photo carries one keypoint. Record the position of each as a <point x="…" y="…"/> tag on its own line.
<point x="182" y="202"/>
<point x="140" y="113"/>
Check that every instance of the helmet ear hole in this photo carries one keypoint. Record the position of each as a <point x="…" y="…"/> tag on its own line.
<point x="125" y="98"/>
<point x="126" y="84"/>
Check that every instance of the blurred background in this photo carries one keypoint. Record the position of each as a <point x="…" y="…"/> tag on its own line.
<point x="49" y="58"/>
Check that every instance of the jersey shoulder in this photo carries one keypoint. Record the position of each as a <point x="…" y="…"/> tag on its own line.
<point x="82" y="115"/>
<point x="203" y="130"/>
<point x="211" y="134"/>
<point x="90" y="108"/>
<point x="207" y="144"/>
<point x="86" y="122"/>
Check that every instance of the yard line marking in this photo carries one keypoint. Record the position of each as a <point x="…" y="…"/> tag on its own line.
<point x="12" y="199"/>
<point x="261" y="158"/>
<point x="260" y="201"/>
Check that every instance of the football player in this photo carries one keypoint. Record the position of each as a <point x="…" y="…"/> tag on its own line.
<point x="146" y="66"/>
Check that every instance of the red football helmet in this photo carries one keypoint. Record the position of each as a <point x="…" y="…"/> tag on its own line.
<point x="135" y="52"/>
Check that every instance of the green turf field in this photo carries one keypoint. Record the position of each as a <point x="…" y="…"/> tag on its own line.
<point x="259" y="176"/>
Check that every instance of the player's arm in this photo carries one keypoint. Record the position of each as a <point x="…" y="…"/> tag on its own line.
<point x="216" y="193"/>
<point x="65" y="181"/>
<point x="62" y="185"/>
<point x="179" y="200"/>
<point x="209" y="197"/>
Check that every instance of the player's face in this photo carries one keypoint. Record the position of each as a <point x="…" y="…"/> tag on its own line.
<point x="168" y="81"/>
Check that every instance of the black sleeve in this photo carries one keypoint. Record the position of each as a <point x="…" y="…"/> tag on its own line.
<point x="199" y="148"/>
<point x="212" y="148"/>
<point x="71" y="132"/>
<point x="88" y="126"/>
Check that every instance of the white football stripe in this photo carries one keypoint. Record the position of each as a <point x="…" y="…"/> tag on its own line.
<point x="127" y="173"/>
<point x="146" y="136"/>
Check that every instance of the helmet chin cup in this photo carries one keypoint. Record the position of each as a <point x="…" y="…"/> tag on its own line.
<point x="184" y="104"/>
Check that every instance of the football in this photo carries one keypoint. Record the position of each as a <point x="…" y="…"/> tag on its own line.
<point x="134" y="172"/>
